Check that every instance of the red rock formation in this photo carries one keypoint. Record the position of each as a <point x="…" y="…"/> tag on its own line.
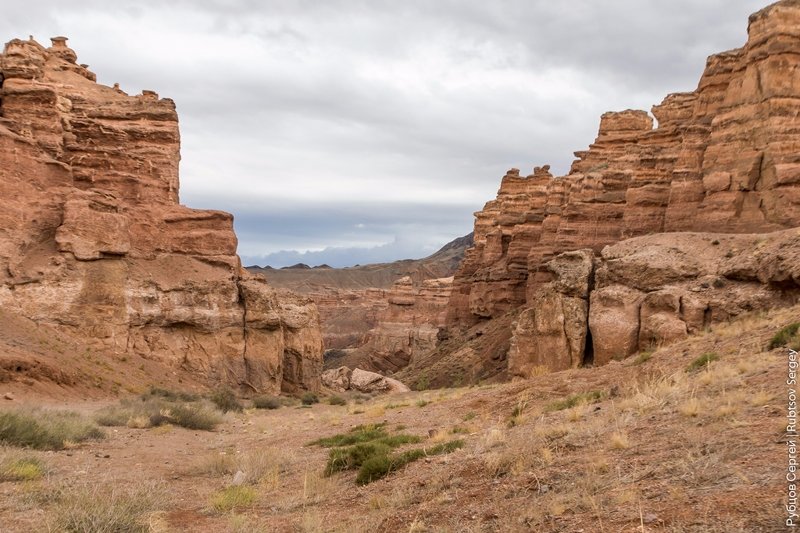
<point x="723" y="158"/>
<point x="409" y="326"/>
<point x="93" y="239"/>
<point x="726" y="156"/>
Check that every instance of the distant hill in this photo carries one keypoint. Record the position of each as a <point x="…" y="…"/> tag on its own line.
<point x="302" y="278"/>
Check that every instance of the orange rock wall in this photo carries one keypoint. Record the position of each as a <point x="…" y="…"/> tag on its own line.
<point x="724" y="158"/>
<point x="93" y="239"/>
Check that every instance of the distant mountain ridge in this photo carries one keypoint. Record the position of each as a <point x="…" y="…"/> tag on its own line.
<point x="303" y="278"/>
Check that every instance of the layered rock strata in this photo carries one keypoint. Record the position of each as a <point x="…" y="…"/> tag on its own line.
<point x="93" y="238"/>
<point x="724" y="157"/>
<point x="648" y="291"/>
<point x="409" y="325"/>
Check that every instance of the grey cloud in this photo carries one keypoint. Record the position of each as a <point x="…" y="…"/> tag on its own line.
<point x="293" y="110"/>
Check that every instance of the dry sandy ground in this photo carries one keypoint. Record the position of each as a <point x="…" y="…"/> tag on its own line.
<point x="663" y="450"/>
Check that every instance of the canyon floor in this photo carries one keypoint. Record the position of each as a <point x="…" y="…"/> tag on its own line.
<point x="644" y="444"/>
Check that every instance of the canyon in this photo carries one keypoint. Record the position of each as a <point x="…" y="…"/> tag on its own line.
<point x="94" y="241"/>
<point x="725" y="158"/>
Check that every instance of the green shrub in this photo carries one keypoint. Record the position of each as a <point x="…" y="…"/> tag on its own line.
<point x="21" y="469"/>
<point x="576" y="399"/>
<point x="352" y="457"/>
<point x="422" y="403"/>
<point x="643" y="357"/>
<point x="703" y="360"/>
<point x="267" y="402"/>
<point x="337" y="400"/>
<point x="358" y="434"/>
<point x="225" y="400"/>
<point x="309" y="398"/>
<point x="785" y="336"/>
<point x="106" y="508"/>
<point x="233" y="498"/>
<point x="378" y="466"/>
<point x="45" y="430"/>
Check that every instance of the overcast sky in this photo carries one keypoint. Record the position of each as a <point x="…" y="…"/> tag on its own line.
<point x="361" y="131"/>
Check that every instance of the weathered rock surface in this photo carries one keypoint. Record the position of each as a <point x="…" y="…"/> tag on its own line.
<point x="649" y="291"/>
<point x="94" y="241"/>
<point x="408" y="326"/>
<point x="724" y="157"/>
<point x="343" y="379"/>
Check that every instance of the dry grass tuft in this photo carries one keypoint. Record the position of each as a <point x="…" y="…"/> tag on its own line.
<point x="106" y="507"/>
<point x="620" y="440"/>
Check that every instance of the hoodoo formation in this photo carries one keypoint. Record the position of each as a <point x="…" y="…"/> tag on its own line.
<point x="93" y="239"/>
<point x="723" y="158"/>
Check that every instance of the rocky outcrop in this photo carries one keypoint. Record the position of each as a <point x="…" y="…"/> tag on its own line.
<point x="343" y="379"/>
<point x="409" y="325"/>
<point x="724" y="157"/>
<point x="93" y="239"/>
<point x="648" y="291"/>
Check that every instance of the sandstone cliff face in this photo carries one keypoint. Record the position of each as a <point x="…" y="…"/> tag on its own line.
<point x="724" y="157"/>
<point x="648" y="291"/>
<point x="93" y="239"/>
<point x="409" y="326"/>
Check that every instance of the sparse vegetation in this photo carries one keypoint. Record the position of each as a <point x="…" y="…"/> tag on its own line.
<point x="150" y="410"/>
<point x="422" y="403"/>
<point x="369" y="449"/>
<point x="378" y="466"/>
<point x="364" y="433"/>
<point x="575" y="399"/>
<point x="225" y="400"/>
<point x="233" y="498"/>
<point x="45" y="429"/>
<point x="643" y="357"/>
<point x="337" y="400"/>
<point x="702" y="361"/>
<point x="21" y="468"/>
<point x="309" y="398"/>
<point x="85" y="508"/>
<point x="267" y="402"/>
<point x="787" y="336"/>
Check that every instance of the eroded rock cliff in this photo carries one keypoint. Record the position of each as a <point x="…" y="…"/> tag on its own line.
<point x="723" y="158"/>
<point x="93" y="238"/>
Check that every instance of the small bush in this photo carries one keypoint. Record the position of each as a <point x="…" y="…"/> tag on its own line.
<point x="378" y="466"/>
<point x="576" y="399"/>
<point x="353" y="457"/>
<point x="21" y="469"/>
<point x="703" y="360"/>
<point x="358" y="434"/>
<point x="225" y="400"/>
<point x="171" y="395"/>
<point x="267" y="402"/>
<point x="337" y="400"/>
<point x="422" y="403"/>
<point x="106" y="508"/>
<point x="45" y="430"/>
<point x="233" y="498"/>
<point x="156" y="410"/>
<point x="191" y="416"/>
<point x="309" y="398"/>
<point x="785" y="336"/>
